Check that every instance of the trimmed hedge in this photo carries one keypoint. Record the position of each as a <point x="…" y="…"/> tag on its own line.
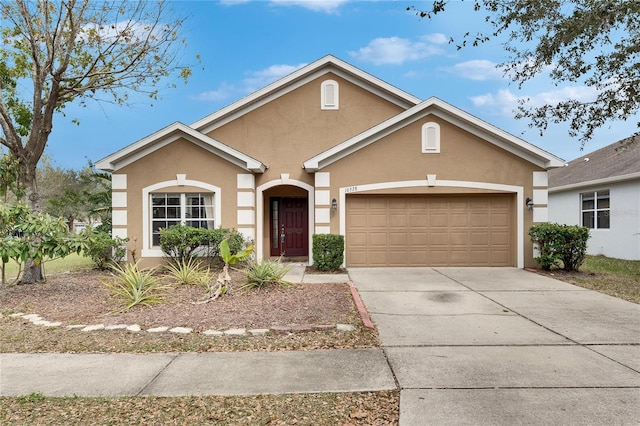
<point x="181" y="243"/>
<point x="328" y="251"/>
<point x="560" y="245"/>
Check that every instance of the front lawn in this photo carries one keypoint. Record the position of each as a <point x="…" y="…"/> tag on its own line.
<point x="615" y="277"/>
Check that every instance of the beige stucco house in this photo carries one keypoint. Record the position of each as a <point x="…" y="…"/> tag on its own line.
<point x="332" y="149"/>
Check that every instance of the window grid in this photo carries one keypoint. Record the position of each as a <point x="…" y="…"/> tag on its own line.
<point x="191" y="209"/>
<point x="596" y="209"/>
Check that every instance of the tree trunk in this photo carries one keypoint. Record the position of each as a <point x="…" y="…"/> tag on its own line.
<point x="32" y="270"/>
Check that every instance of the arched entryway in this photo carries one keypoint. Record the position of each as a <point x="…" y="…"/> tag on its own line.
<point x="285" y="222"/>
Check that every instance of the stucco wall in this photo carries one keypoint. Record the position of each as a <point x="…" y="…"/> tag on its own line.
<point x="622" y="239"/>
<point x="463" y="157"/>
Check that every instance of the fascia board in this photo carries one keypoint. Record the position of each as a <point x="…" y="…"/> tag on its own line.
<point x="299" y="78"/>
<point x="169" y="134"/>
<point x="447" y="112"/>
<point x="595" y="182"/>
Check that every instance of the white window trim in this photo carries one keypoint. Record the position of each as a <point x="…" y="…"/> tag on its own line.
<point x="425" y="148"/>
<point x="147" y="249"/>
<point x="595" y="210"/>
<point x="323" y="95"/>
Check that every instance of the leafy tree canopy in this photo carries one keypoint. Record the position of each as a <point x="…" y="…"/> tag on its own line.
<point x="592" y="42"/>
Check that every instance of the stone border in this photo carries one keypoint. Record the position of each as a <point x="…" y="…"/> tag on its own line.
<point x="36" y="319"/>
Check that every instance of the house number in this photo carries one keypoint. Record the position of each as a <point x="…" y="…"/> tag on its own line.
<point x="350" y="189"/>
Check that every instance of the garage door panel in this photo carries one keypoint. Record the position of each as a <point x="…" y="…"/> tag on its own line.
<point x="459" y="220"/>
<point x="398" y="257"/>
<point x="436" y="230"/>
<point x="378" y="258"/>
<point x="480" y="219"/>
<point x="439" y="239"/>
<point x="418" y="220"/>
<point x="418" y="239"/>
<point x="438" y="220"/>
<point x="398" y="220"/>
<point x="459" y="239"/>
<point x="377" y="239"/>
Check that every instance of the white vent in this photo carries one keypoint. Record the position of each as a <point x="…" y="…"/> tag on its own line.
<point x="430" y="138"/>
<point x="329" y="95"/>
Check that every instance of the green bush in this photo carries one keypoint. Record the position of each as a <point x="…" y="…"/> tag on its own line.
<point x="562" y="246"/>
<point x="328" y="251"/>
<point x="102" y="248"/>
<point x="181" y="243"/>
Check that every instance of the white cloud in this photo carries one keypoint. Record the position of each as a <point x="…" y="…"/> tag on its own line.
<point x="506" y="102"/>
<point x="436" y="38"/>
<point x="256" y="80"/>
<point x="395" y="50"/>
<point x="478" y="70"/>
<point x="225" y="91"/>
<point x="327" y="6"/>
<point x="259" y="79"/>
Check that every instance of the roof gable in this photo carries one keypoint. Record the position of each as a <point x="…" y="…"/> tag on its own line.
<point x="447" y="112"/>
<point x="169" y="134"/>
<point x="298" y="78"/>
<point x="615" y="162"/>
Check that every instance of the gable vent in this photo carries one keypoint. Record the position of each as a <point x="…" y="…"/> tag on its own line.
<point x="430" y="138"/>
<point x="329" y="94"/>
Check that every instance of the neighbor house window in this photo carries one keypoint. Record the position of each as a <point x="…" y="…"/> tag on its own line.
<point x="430" y="138"/>
<point x="329" y="95"/>
<point x="191" y="209"/>
<point x="596" y="209"/>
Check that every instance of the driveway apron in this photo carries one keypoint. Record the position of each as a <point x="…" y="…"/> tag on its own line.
<point x="494" y="346"/>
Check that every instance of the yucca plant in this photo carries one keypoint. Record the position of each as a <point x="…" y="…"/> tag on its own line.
<point x="136" y="286"/>
<point x="266" y="272"/>
<point x="187" y="271"/>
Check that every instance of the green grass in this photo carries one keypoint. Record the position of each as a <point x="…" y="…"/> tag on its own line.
<point x="615" y="277"/>
<point x="72" y="262"/>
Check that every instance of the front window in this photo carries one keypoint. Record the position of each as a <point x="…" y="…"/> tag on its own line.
<point x="192" y="209"/>
<point x="595" y="209"/>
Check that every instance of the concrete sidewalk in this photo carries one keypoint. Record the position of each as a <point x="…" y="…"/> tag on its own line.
<point x="185" y="374"/>
<point x="502" y="346"/>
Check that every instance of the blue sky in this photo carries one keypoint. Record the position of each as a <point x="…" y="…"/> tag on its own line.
<point x="245" y="45"/>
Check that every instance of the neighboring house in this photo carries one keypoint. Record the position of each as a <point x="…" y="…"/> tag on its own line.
<point x="332" y="149"/>
<point x="601" y="190"/>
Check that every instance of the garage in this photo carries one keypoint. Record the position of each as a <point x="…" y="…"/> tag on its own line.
<point x="430" y="230"/>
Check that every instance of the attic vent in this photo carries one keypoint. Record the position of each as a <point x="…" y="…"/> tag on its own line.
<point x="329" y="95"/>
<point x="430" y="138"/>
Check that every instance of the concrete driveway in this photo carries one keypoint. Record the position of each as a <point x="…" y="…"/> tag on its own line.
<point x="503" y="346"/>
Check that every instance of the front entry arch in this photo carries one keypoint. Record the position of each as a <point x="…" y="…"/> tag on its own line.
<point x="264" y="223"/>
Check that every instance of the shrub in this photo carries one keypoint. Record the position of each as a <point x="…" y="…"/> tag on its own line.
<point x="181" y="242"/>
<point x="328" y="251"/>
<point x="267" y="272"/>
<point x="560" y="245"/>
<point x="187" y="271"/>
<point x="135" y="286"/>
<point x="103" y="249"/>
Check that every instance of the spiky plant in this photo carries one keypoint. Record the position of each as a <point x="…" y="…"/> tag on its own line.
<point x="135" y="286"/>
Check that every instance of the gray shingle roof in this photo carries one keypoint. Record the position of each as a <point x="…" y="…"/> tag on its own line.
<point x="618" y="159"/>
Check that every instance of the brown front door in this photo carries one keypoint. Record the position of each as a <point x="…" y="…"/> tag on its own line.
<point x="290" y="218"/>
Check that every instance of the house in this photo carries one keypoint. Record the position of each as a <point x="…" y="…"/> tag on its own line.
<point x="332" y="149"/>
<point x="601" y="190"/>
